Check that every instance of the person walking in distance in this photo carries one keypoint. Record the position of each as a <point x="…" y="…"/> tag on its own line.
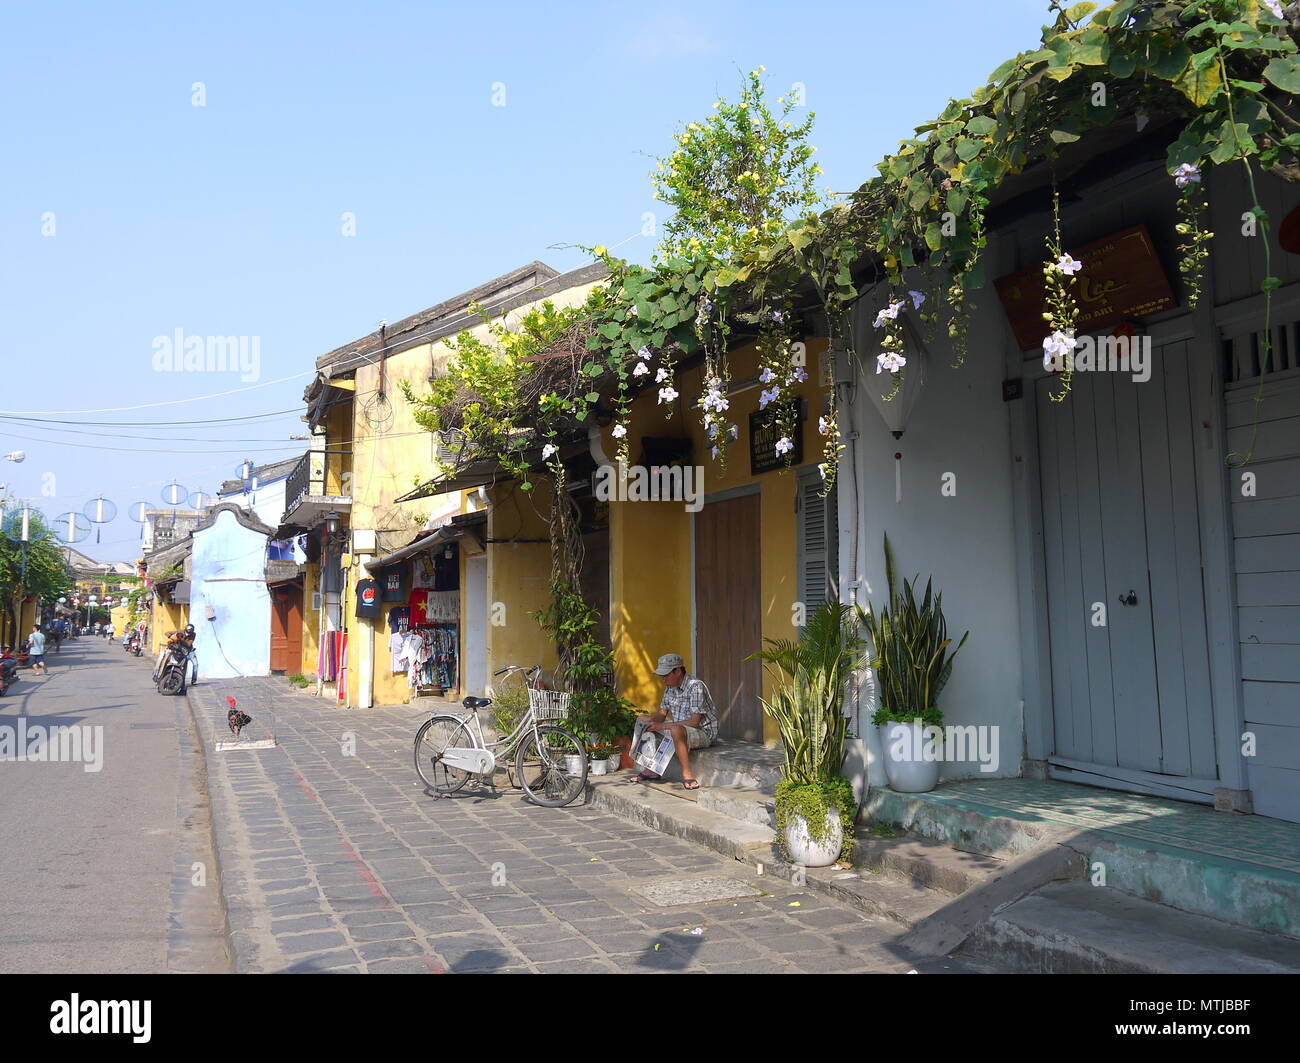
<point x="36" y="647"/>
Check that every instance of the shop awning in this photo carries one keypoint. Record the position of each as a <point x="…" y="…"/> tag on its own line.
<point x="463" y="526"/>
<point x="487" y="471"/>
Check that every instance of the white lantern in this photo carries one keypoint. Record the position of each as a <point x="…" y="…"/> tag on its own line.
<point x="894" y="412"/>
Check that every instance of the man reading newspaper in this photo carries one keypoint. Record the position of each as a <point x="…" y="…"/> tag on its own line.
<point x="686" y="719"/>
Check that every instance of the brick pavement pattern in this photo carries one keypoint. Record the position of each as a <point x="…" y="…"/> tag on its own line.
<point x="338" y="863"/>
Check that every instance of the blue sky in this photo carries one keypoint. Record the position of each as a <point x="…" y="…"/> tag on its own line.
<point x="226" y="219"/>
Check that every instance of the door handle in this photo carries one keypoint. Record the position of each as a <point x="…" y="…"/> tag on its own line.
<point x="1129" y="599"/>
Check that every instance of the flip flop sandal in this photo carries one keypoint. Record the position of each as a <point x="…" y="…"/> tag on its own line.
<point x="643" y="776"/>
<point x="690" y="784"/>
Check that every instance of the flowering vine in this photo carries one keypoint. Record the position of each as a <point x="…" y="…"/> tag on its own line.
<point x="1062" y="311"/>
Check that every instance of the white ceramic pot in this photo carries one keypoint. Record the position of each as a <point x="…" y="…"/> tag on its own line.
<point x="598" y="767"/>
<point x="573" y="764"/>
<point x="613" y="763"/>
<point x="805" y="851"/>
<point x="903" y="745"/>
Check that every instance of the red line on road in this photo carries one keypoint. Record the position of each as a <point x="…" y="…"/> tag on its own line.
<point x="370" y="880"/>
<point x="432" y="964"/>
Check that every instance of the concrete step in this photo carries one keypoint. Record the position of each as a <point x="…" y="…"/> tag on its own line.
<point x="745" y="803"/>
<point x="742" y="764"/>
<point x="654" y="806"/>
<point x="1077" y="928"/>
<point x="926" y="862"/>
<point x="969" y="830"/>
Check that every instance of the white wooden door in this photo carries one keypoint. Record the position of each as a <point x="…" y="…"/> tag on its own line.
<point x="1127" y="634"/>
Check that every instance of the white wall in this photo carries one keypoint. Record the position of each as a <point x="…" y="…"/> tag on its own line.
<point x="267" y="502"/>
<point x="959" y="425"/>
<point x="230" y="575"/>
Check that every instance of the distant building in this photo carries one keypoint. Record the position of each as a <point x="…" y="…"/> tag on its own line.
<point x="163" y="527"/>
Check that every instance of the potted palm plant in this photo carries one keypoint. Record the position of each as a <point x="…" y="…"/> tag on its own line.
<point x="912" y="662"/>
<point x="815" y="807"/>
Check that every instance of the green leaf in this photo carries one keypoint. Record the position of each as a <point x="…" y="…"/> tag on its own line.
<point x="1199" y="86"/>
<point x="934" y="236"/>
<point x="1122" y="65"/>
<point x="593" y="369"/>
<point x="1172" y="62"/>
<point x="1079" y="12"/>
<point x="1284" y="72"/>
<point x="1090" y="55"/>
<point x="1203" y="59"/>
<point x="967" y="149"/>
<point x="592" y="397"/>
<point x="1063" y="136"/>
<point x="981" y="125"/>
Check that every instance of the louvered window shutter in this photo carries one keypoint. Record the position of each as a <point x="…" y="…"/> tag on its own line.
<point x="817" y="540"/>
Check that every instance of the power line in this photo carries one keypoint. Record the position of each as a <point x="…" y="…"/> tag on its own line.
<point x="155" y="405"/>
<point x="158" y="424"/>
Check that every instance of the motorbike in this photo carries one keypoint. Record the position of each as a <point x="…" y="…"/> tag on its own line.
<point x="135" y="644"/>
<point x="172" y="674"/>
<point x="8" y="672"/>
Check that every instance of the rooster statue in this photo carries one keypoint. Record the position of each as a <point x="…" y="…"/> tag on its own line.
<point x="237" y="720"/>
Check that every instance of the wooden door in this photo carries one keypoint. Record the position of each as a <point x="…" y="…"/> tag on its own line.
<point x="1130" y="685"/>
<point x="286" y="629"/>
<point x="728" y="624"/>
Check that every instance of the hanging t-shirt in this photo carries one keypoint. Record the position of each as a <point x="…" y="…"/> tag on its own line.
<point x="399" y="618"/>
<point x="395" y="584"/>
<point x="367" y="598"/>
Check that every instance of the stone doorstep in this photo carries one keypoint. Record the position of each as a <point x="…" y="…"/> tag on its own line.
<point x="1077" y="928"/>
<point x="926" y="862"/>
<point x="1231" y="892"/>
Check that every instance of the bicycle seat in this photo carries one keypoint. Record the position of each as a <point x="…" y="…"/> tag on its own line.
<point x="476" y="703"/>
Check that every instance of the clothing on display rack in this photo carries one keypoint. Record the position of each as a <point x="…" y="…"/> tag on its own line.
<point x="428" y="655"/>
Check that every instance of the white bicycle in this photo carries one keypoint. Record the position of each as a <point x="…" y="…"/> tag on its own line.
<point x="550" y="762"/>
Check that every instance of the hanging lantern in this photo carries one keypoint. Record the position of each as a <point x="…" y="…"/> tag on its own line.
<point x="174" y="494"/>
<point x="72" y="527"/>
<point x="894" y="407"/>
<point x="893" y="411"/>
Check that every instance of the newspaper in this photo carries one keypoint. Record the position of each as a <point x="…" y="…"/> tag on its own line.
<point x="653" y="758"/>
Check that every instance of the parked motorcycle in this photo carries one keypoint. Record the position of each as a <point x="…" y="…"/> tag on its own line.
<point x="174" y="664"/>
<point x="8" y="671"/>
<point x="175" y="667"/>
<point x="133" y="644"/>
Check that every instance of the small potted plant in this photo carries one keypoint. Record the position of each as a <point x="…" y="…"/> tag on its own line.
<point x="599" y="758"/>
<point x="911" y="664"/>
<point x="815" y="806"/>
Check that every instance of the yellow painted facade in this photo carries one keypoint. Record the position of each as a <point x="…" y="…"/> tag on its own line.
<point x="651" y="560"/>
<point x="390" y="456"/>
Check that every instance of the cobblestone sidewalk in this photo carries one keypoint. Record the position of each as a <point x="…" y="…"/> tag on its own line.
<point x="331" y="862"/>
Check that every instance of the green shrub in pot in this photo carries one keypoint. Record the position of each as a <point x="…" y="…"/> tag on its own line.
<point x="808" y="679"/>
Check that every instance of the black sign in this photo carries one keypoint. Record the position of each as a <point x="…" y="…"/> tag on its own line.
<point x="765" y="433"/>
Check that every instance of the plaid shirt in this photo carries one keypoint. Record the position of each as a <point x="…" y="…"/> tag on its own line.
<point x="691" y="696"/>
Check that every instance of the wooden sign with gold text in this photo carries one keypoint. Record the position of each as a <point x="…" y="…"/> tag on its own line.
<point x="1122" y="278"/>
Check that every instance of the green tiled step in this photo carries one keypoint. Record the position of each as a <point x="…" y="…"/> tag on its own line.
<point x="1077" y="928"/>
<point x="1227" y="867"/>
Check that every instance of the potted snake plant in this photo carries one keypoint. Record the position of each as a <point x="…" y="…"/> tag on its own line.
<point x="815" y="805"/>
<point x="911" y="661"/>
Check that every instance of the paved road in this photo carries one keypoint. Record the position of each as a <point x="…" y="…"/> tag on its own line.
<point x="340" y="862"/>
<point x="96" y="867"/>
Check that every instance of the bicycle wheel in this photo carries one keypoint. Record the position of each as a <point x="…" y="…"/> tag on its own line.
<point x="434" y="736"/>
<point x="543" y="768"/>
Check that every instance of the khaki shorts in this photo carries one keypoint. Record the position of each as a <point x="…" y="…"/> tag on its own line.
<point x="695" y="737"/>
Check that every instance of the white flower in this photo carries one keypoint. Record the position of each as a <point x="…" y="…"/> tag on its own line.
<point x="800" y="375"/>
<point x="641" y="369"/>
<point x="1275" y="6"/>
<point x="620" y="430"/>
<point x="632" y="310"/>
<point x="548" y="450"/>
<point x="1068" y="264"/>
<point x="1188" y="173"/>
<point x="735" y="432"/>
<point x="661" y="375"/>
<point x="1057" y="348"/>
<point x="715" y="453"/>
<point x="889" y="313"/>
<point x="667" y="394"/>
<point x="767" y="376"/>
<point x="768" y="396"/>
<point x="917" y="299"/>
<point x="823" y="426"/>
<point x="783" y="444"/>
<point x="822" y="469"/>
<point x="891" y="361"/>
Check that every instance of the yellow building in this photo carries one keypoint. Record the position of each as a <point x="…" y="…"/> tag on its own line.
<point x="354" y="496"/>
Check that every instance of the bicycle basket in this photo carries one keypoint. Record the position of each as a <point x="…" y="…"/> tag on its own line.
<point x="549" y="704"/>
